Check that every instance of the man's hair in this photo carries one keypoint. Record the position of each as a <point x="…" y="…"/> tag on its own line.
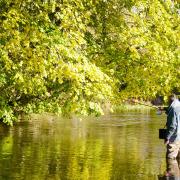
<point x="175" y="92"/>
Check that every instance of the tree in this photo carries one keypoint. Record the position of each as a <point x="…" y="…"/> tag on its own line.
<point x="73" y="56"/>
<point x="139" y="42"/>
<point x="43" y="60"/>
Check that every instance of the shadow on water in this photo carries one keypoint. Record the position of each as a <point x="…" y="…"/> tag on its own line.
<point x="113" y="147"/>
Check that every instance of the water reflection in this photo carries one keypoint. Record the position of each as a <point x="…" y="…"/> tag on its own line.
<point x="117" y="147"/>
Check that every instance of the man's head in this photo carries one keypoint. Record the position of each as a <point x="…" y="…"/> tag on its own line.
<point x="171" y="98"/>
<point x="174" y="96"/>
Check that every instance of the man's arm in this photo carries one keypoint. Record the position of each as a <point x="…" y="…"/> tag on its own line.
<point x="164" y="108"/>
<point x="171" y="128"/>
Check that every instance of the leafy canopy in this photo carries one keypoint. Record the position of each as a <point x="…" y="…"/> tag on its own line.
<point x="74" y="56"/>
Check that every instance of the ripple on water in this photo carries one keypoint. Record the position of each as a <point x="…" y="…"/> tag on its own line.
<point x="122" y="146"/>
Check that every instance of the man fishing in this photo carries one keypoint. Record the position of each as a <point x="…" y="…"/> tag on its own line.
<point x="173" y="128"/>
<point x="172" y="139"/>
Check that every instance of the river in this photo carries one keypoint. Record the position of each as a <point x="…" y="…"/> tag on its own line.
<point x="121" y="146"/>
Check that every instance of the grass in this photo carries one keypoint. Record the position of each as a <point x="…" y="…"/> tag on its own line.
<point x="130" y="107"/>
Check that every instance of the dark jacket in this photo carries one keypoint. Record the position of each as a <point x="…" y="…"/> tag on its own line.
<point x="173" y="121"/>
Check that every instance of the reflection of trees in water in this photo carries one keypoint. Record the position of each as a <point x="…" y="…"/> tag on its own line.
<point x="5" y="140"/>
<point x="57" y="149"/>
<point x="6" y="144"/>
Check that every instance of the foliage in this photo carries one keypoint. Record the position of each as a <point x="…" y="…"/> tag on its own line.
<point x="74" y="56"/>
<point x="139" y="42"/>
<point x="43" y="60"/>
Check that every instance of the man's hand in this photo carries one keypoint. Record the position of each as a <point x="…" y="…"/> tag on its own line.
<point x="166" y="141"/>
<point x="159" y="111"/>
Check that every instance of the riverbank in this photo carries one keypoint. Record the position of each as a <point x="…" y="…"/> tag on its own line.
<point x="130" y="107"/>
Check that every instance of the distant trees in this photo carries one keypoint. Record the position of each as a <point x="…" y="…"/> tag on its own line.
<point x="139" y="41"/>
<point x="73" y="56"/>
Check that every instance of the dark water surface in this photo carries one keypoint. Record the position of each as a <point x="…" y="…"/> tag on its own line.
<point x="117" y="147"/>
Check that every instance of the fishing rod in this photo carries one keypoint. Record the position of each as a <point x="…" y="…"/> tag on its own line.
<point x="159" y="108"/>
<point x="152" y="106"/>
<point x="147" y="105"/>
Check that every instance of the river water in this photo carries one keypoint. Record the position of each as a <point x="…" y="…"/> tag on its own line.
<point x="121" y="146"/>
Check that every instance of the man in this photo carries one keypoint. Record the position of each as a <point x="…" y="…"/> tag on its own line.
<point x="173" y="137"/>
<point x="173" y="128"/>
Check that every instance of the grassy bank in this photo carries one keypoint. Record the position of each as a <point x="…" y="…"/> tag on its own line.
<point x="130" y="107"/>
